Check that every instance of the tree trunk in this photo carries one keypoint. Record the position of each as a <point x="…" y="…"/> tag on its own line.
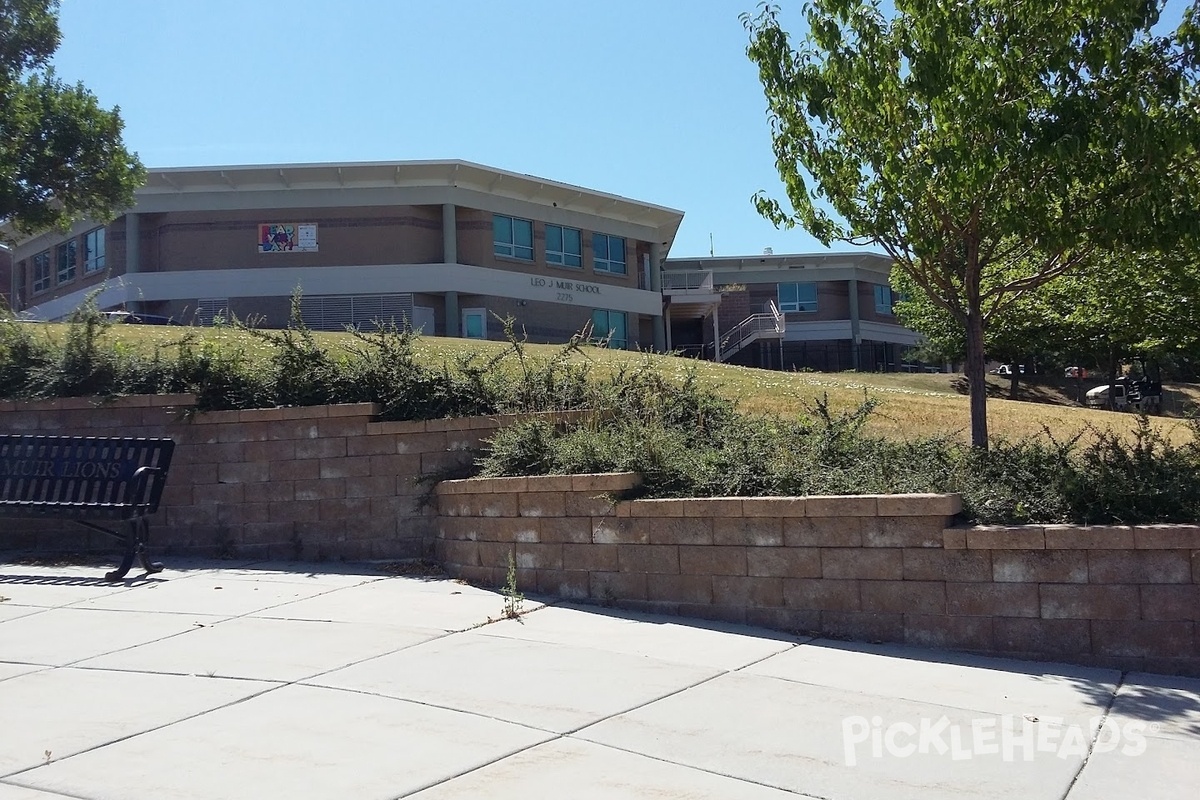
<point x="1013" y="380"/>
<point x="1112" y="377"/>
<point x="977" y="379"/>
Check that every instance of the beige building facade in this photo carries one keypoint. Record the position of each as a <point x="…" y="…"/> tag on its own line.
<point x="454" y="249"/>
<point x="447" y="246"/>
<point x="827" y="312"/>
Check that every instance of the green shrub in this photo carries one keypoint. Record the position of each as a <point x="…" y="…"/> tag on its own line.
<point x="684" y="439"/>
<point x="1037" y="480"/>
<point x="1148" y="480"/>
<point x="221" y="374"/>
<point x="24" y="351"/>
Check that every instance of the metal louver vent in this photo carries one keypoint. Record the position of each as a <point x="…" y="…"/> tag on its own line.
<point x="209" y="309"/>
<point x="337" y="312"/>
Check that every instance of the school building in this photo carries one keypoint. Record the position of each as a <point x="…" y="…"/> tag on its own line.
<point x="827" y="312"/>
<point x="451" y="247"/>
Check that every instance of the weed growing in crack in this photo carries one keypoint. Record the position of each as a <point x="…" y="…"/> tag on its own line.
<point x="513" y="598"/>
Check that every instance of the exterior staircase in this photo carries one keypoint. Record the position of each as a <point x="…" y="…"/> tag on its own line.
<point x="770" y="324"/>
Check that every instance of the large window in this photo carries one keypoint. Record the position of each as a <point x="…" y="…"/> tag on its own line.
<point x="564" y="246"/>
<point x="609" y="253"/>
<point x="884" y="299"/>
<point x="610" y="326"/>
<point x="93" y="251"/>
<point x="41" y="272"/>
<point x="797" y="297"/>
<point x="512" y="237"/>
<point x="67" y="253"/>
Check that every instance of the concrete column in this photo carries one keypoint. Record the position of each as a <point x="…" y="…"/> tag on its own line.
<point x="453" y="318"/>
<point x="450" y="256"/>
<point x="661" y="337"/>
<point x="133" y="241"/>
<point x="855" y="335"/>
<point x="133" y="253"/>
<point x="716" y="336"/>
<point x="449" y="234"/>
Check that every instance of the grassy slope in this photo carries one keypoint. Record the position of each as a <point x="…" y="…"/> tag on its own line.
<point x="911" y="404"/>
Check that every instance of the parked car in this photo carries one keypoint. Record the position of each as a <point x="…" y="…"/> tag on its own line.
<point x="1075" y="372"/>
<point x="1006" y="370"/>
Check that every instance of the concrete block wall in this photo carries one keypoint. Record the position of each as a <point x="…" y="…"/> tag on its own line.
<point x="321" y="482"/>
<point x="876" y="568"/>
<point x="333" y="482"/>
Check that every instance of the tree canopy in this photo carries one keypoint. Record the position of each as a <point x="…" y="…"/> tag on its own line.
<point x="1116" y="307"/>
<point x="987" y="146"/>
<point x="61" y="154"/>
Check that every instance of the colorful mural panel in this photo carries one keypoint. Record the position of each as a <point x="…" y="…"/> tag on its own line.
<point x="287" y="237"/>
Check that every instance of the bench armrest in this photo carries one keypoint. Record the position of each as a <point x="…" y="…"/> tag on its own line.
<point x="147" y="487"/>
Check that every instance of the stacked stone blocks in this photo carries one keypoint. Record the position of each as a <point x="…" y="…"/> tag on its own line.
<point x="868" y="567"/>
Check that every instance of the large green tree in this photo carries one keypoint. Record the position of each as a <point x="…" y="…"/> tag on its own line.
<point x="61" y="154"/>
<point x="1024" y="334"/>
<point x="988" y="146"/>
<point x="1118" y="306"/>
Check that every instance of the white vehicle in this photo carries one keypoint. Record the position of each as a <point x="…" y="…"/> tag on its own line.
<point x="1139" y="395"/>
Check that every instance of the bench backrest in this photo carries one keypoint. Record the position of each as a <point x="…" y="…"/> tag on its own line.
<point x="78" y="470"/>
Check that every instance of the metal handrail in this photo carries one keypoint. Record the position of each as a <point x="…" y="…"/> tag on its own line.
<point x="750" y="329"/>
<point x="688" y="281"/>
<point x="780" y="318"/>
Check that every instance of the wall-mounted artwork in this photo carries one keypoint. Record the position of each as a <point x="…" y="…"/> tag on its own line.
<point x="287" y="237"/>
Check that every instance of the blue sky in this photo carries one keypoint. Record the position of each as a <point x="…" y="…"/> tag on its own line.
<point x="653" y="100"/>
<point x="650" y="99"/>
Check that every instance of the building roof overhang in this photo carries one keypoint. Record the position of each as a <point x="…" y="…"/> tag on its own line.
<point x="168" y="188"/>
<point x="768" y="267"/>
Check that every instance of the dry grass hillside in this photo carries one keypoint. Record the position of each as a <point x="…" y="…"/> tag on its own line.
<point x="910" y="404"/>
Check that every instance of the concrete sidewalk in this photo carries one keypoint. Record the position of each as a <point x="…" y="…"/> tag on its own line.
<point x="223" y="680"/>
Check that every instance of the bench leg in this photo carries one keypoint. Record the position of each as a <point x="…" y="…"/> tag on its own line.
<point x="135" y="545"/>
<point x="131" y="542"/>
<point x="144" y="539"/>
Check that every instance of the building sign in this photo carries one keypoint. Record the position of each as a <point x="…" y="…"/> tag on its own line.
<point x="565" y="291"/>
<point x="285" y="237"/>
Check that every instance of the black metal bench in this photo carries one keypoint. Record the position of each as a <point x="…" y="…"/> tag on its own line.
<point x="85" y="478"/>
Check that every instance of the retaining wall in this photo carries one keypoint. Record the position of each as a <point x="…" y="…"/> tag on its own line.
<point x="877" y="568"/>
<point x="321" y="482"/>
<point x="333" y="482"/>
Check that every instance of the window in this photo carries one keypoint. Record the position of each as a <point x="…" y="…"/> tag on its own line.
<point x="93" y="251"/>
<point x="610" y="325"/>
<point x="66" y="262"/>
<point x="797" y="297"/>
<point x="884" y="299"/>
<point x="41" y="272"/>
<point x="512" y="237"/>
<point x="609" y="253"/>
<point x="564" y="246"/>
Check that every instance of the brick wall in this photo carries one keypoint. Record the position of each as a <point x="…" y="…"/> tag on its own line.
<point x="324" y="482"/>
<point x="876" y="568"/>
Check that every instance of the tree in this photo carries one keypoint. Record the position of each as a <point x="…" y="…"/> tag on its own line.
<point x="1028" y="331"/>
<point x="1134" y="305"/>
<point x="987" y="146"/>
<point x="61" y="154"/>
<point x="1119" y="306"/>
